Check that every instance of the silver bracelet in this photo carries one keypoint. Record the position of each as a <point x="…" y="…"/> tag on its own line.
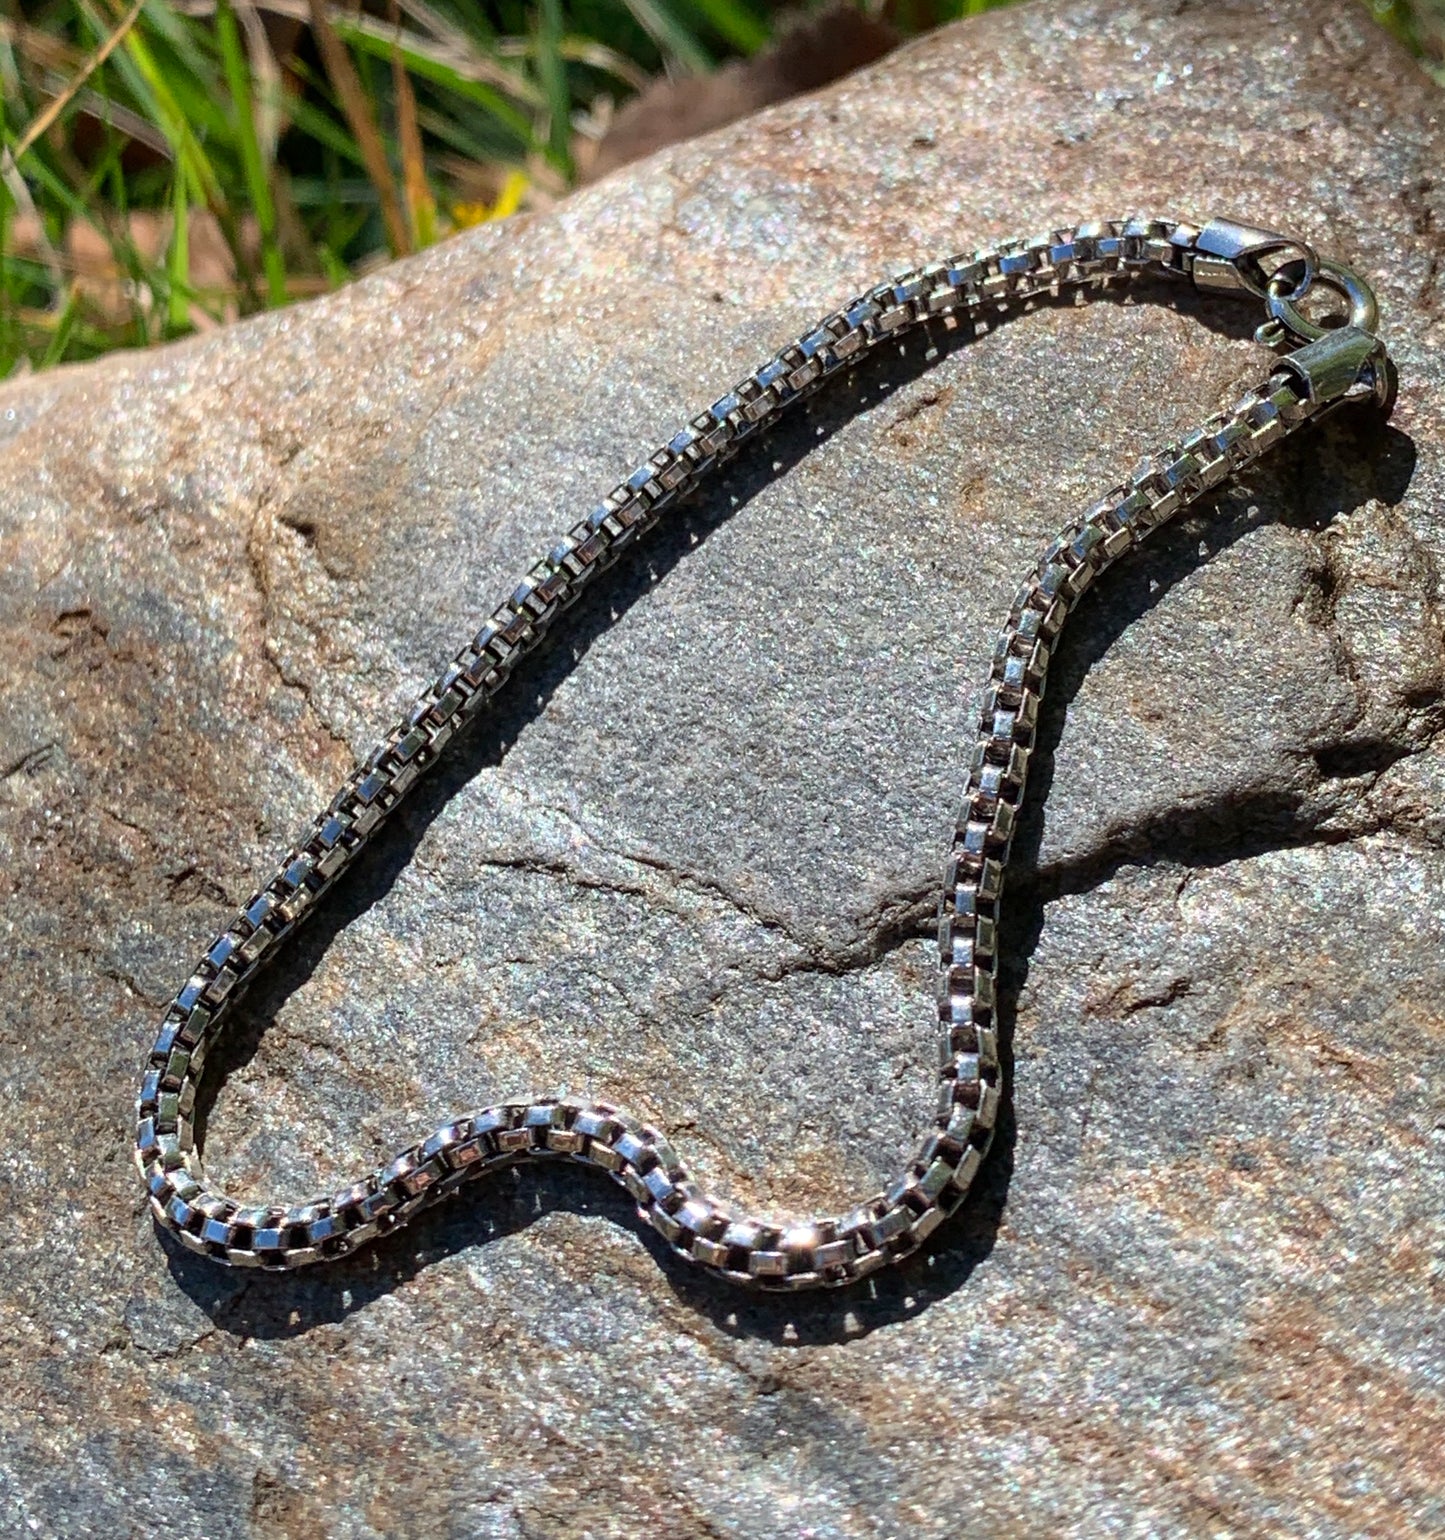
<point x="1321" y="367"/>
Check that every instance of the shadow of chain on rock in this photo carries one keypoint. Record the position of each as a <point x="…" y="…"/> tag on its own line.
<point x="1312" y="480"/>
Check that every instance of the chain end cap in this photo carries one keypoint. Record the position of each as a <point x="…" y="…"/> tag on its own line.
<point x="1347" y="364"/>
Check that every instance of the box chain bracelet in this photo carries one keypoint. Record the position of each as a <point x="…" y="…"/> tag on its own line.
<point x="1328" y="365"/>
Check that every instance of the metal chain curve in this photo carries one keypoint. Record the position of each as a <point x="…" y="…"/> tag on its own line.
<point x="761" y="1251"/>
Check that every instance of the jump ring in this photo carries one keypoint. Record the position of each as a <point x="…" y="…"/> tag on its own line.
<point x="1344" y="281"/>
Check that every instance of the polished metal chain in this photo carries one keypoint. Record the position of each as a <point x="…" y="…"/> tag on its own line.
<point x="1329" y="366"/>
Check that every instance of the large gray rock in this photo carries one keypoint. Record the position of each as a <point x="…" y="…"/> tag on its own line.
<point x="689" y="864"/>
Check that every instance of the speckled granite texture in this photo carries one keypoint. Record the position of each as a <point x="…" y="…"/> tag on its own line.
<point x="691" y="864"/>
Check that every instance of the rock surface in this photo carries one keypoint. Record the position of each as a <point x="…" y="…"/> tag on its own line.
<point x="691" y="865"/>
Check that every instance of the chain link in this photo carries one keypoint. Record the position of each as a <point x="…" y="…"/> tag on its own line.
<point x="760" y="1251"/>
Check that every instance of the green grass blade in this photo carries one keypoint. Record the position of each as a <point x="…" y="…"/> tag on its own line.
<point x="60" y="341"/>
<point x="427" y="66"/>
<point x="469" y="140"/>
<point x="178" y="259"/>
<point x="258" y="181"/>
<point x="735" y="23"/>
<point x="553" y="73"/>
<point x="670" y="35"/>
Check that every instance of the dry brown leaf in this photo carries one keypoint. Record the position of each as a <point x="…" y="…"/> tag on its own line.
<point x="808" y="55"/>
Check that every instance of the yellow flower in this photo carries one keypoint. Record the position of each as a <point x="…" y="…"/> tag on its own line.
<point x="509" y="200"/>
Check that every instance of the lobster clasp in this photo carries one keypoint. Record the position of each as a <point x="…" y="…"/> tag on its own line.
<point x="1228" y="259"/>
